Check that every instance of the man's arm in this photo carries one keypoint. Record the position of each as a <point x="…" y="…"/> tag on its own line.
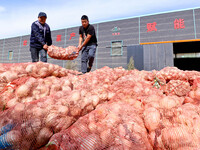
<point x="80" y="40"/>
<point x="49" y="39"/>
<point x="85" y="42"/>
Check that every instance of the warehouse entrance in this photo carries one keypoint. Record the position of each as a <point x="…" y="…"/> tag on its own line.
<point x="187" y="55"/>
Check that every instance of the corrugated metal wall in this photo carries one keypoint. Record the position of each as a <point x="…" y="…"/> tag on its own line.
<point x="130" y="31"/>
<point x="165" y="27"/>
<point x="24" y="52"/>
<point x="197" y="22"/>
<point x="158" y="56"/>
<point x="1" y="49"/>
<point x="127" y="31"/>
<point x="153" y="56"/>
<point x="11" y="44"/>
<point x="137" y="52"/>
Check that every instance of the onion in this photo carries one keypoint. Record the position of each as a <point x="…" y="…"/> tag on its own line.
<point x="63" y="72"/>
<point x="23" y="90"/>
<point x="55" y="88"/>
<point x="75" y="96"/>
<point x="66" y="88"/>
<point x="127" y="144"/>
<point x="95" y="100"/>
<point x="63" y="109"/>
<point x="188" y="100"/>
<point x="8" y="76"/>
<point x="152" y="136"/>
<point x="106" y="137"/>
<point x="168" y="103"/>
<point x="67" y="82"/>
<point x="12" y="102"/>
<point x="152" y="98"/>
<point x="51" y="68"/>
<point x="83" y="93"/>
<point x="27" y="99"/>
<point x="197" y="94"/>
<point x="38" y="112"/>
<point x="30" y="68"/>
<point x="89" y="108"/>
<point x="121" y="131"/>
<point x="151" y="118"/>
<point x="55" y="73"/>
<point x="31" y="127"/>
<point x="104" y="95"/>
<point x="86" y="101"/>
<point x="51" y="118"/>
<point x="43" y="72"/>
<point x="175" y="137"/>
<point x="19" y="108"/>
<point x="63" y="123"/>
<point x="75" y="111"/>
<point x="137" y="104"/>
<point x="110" y="95"/>
<point x="43" y="137"/>
<point x="192" y="94"/>
<point x="112" y="119"/>
<point x="92" y="127"/>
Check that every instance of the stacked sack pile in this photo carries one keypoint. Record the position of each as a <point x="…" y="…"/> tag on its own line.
<point x="44" y="106"/>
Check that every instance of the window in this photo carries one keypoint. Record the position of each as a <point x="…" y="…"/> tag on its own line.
<point x="10" y="55"/>
<point x="187" y="55"/>
<point x="116" y="48"/>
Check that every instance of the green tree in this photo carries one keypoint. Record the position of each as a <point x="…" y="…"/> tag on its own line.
<point x="131" y="64"/>
<point x="72" y="65"/>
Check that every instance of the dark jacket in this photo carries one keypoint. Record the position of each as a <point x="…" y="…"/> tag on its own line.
<point x="40" y="35"/>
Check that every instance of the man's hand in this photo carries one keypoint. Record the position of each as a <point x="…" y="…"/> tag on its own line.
<point x="85" y="42"/>
<point x="79" y="48"/>
<point x="45" y="47"/>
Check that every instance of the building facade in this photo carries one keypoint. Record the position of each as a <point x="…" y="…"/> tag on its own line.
<point x="154" y="41"/>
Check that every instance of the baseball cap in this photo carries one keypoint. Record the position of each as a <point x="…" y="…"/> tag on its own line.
<point x="42" y="14"/>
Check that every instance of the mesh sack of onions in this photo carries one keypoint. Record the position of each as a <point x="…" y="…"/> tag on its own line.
<point x="68" y="53"/>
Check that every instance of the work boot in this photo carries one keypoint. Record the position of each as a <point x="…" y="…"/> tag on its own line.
<point x="80" y="74"/>
<point x="89" y="69"/>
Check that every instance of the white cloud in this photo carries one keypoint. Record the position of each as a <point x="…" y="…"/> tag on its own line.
<point x="63" y="14"/>
<point x="2" y="9"/>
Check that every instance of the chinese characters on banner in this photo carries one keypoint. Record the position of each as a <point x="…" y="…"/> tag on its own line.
<point x="72" y="35"/>
<point x="151" y="27"/>
<point x="178" y="24"/>
<point x="115" y="31"/>
<point x="24" y="42"/>
<point x="58" y="38"/>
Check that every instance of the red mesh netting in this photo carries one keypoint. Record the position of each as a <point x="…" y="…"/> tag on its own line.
<point x="68" y="53"/>
<point x="44" y="106"/>
<point x="115" y="125"/>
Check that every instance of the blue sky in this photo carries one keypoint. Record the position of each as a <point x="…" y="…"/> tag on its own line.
<point x="16" y="16"/>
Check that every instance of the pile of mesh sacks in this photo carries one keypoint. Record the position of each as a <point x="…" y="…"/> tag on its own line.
<point x="44" y="106"/>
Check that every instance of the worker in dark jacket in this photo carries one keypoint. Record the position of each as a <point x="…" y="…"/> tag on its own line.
<point x="40" y="38"/>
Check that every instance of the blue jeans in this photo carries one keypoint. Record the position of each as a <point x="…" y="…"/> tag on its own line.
<point x="88" y="54"/>
<point x="35" y="54"/>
